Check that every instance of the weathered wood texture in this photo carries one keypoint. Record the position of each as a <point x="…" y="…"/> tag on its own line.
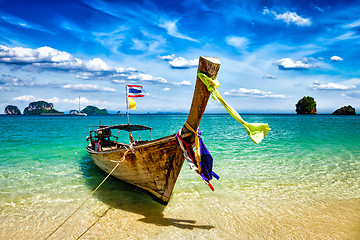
<point x="210" y="66"/>
<point x="155" y="165"/>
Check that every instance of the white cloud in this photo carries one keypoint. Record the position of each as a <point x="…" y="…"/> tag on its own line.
<point x="353" y="24"/>
<point x="166" y="89"/>
<point x="180" y="62"/>
<point x="185" y="82"/>
<point x="94" y="69"/>
<point x="50" y="58"/>
<point x="289" y="64"/>
<point x="71" y="102"/>
<point x="88" y="88"/>
<point x="349" y="35"/>
<point x="146" y="78"/>
<point x="243" y="92"/>
<point x="171" y="28"/>
<point x="28" y="55"/>
<point x="25" y="98"/>
<point x="22" y="23"/>
<point x="331" y="86"/>
<point x="240" y="43"/>
<point x="289" y="17"/>
<point x="168" y="57"/>
<point x="336" y="59"/>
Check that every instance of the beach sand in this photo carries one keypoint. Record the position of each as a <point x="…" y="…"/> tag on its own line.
<point x="138" y="217"/>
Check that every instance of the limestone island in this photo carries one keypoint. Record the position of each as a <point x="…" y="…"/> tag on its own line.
<point x="12" y="110"/>
<point x="346" y="110"/>
<point x="306" y="105"/>
<point x="41" y="108"/>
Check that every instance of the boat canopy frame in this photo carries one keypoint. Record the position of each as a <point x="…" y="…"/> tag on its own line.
<point x="125" y="127"/>
<point x="105" y="130"/>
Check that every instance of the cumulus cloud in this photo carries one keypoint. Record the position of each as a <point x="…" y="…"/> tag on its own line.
<point x="179" y="62"/>
<point x="240" y="43"/>
<point x="182" y="63"/>
<point x="336" y="59"/>
<point x="146" y="78"/>
<point x="185" y="83"/>
<point x="50" y="58"/>
<point x="87" y="88"/>
<point x="289" y="64"/>
<point x="27" y="55"/>
<point x="171" y="28"/>
<point x="94" y="69"/>
<point x="25" y="98"/>
<point x="331" y="86"/>
<point x="289" y="17"/>
<point x="243" y="92"/>
<point x="13" y="81"/>
<point x="167" y="57"/>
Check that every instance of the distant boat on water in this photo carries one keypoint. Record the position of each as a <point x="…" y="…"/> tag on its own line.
<point x="80" y="113"/>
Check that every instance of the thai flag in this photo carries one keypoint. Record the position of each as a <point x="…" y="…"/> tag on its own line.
<point x="135" y="91"/>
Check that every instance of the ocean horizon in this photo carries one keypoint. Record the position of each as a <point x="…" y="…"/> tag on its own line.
<point x="301" y="182"/>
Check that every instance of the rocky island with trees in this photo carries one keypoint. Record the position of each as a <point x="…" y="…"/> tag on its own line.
<point x="346" y="110"/>
<point x="45" y="108"/>
<point x="306" y="105"/>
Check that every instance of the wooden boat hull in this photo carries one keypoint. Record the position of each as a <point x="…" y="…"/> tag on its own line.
<point x="153" y="166"/>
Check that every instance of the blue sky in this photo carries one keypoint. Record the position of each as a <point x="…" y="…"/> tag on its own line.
<point x="272" y="53"/>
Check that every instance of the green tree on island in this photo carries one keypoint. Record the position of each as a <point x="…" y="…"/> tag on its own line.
<point x="306" y="105"/>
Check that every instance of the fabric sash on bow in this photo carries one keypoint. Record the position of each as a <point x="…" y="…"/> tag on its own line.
<point x="256" y="131"/>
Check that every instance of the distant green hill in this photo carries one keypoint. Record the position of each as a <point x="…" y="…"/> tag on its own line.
<point x="92" y="110"/>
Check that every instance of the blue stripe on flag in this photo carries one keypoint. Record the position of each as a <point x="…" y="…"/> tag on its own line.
<point x="134" y="90"/>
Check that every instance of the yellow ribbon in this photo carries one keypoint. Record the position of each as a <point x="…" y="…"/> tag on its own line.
<point x="197" y="146"/>
<point x="256" y="131"/>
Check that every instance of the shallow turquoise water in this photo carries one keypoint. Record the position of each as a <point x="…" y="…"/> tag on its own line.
<point x="318" y="154"/>
<point x="44" y="164"/>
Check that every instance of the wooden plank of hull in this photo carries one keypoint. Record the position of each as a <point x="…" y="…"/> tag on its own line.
<point x="154" y="166"/>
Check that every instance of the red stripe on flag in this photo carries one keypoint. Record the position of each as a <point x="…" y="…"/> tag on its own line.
<point x="136" y="95"/>
<point x="134" y="86"/>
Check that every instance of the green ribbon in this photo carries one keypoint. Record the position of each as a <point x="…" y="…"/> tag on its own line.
<point x="256" y="131"/>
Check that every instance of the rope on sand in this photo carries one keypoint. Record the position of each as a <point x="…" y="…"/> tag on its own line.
<point x="118" y="163"/>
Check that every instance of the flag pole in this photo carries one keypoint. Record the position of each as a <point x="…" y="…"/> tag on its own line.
<point x="127" y="104"/>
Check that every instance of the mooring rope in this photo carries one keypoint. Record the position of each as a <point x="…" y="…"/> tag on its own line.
<point x="93" y="223"/>
<point x="118" y="163"/>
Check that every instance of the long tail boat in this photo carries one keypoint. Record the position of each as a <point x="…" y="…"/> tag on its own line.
<point x="151" y="165"/>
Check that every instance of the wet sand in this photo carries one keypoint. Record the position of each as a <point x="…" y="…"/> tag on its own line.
<point x="138" y="217"/>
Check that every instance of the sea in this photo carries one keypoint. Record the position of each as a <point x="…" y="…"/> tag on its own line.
<point x="301" y="182"/>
